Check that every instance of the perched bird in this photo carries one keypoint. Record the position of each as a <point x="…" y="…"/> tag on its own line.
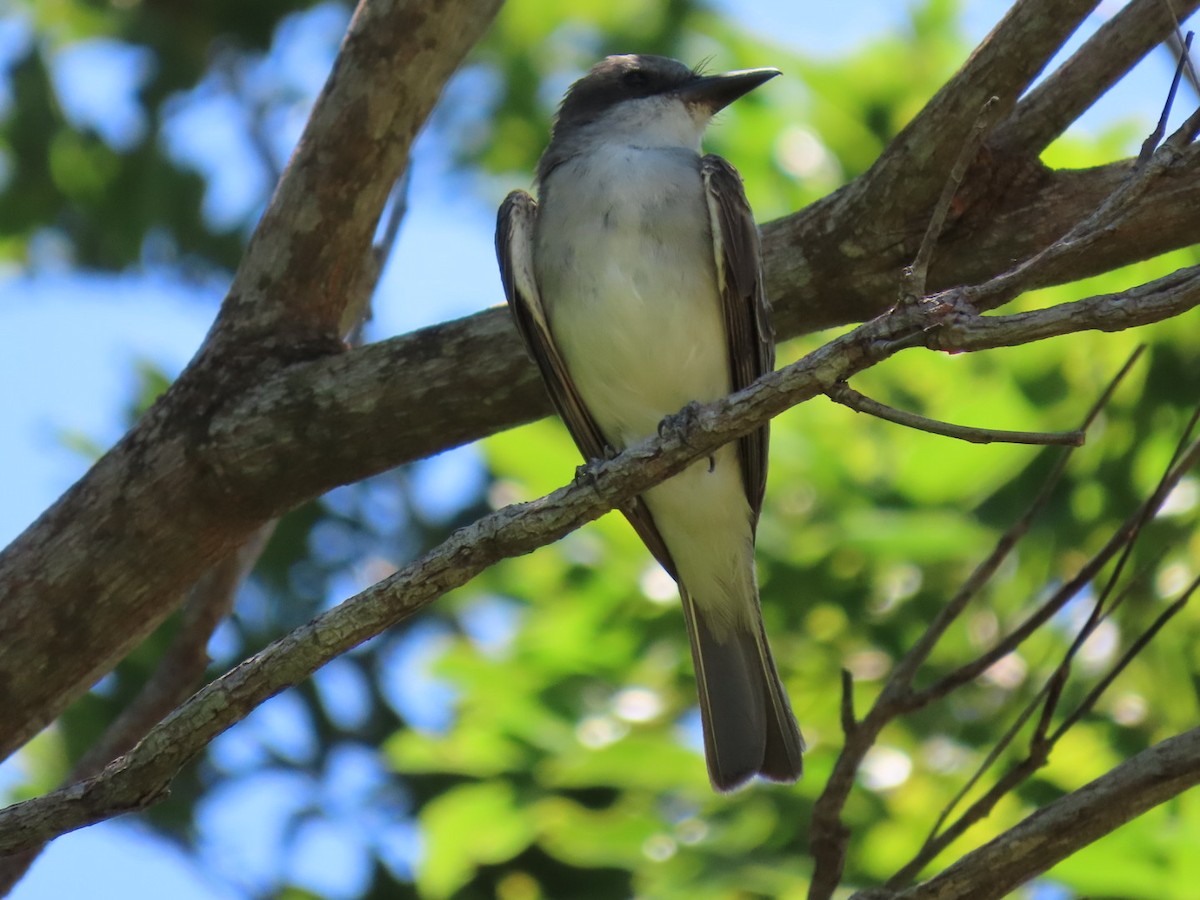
<point x="635" y="282"/>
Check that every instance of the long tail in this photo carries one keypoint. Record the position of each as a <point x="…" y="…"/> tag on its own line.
<point x="749" y="727"/>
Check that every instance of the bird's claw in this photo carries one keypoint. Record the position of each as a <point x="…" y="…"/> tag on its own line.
<point x="588" y="471"/>
<point x="680" y="422"/>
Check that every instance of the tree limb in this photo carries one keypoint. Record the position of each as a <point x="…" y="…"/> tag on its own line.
<point x="73" y="599"/>
<point x="1105" y="57"/>
<point x="1065" y="826"/>
<point x="141" y="777"/>
<point x="272" y="412"/>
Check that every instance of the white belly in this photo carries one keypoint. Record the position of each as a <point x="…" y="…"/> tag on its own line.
<point x="625" y="269"/>
<point x="626" y="273"/>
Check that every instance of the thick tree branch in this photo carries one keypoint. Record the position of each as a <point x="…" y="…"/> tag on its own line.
<point x="142" y="776"/>
<point x="303" y="262"/>
<point x="73" y="595"/>
<point x="1065" y="826"/>
<point x="1003" y="66"/>
<point x="821" y="273"/>
<point x="346" y="397"/>
<point x="1105" y="57"/>
<point x="271" y="413"/>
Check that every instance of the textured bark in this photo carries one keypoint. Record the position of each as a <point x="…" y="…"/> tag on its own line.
<point x="272" y="412"/>
<point x="339" y="402"/>
<point x="116" y="554"/>
<point x="142" y="777"/>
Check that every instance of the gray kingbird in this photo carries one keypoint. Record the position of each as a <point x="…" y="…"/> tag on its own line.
<point x="635" y="281"/>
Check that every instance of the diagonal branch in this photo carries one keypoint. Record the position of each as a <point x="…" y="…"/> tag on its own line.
<point x="137" y="779"/>
<point x="149" y="498"/>
<point x="829" y="834"/>
<point x="396" y="56"/>
<point x="1063" y="827"/>
<point x="1003" y="66"/>
<point x="211" y="447"/>
<point x="1103" y="60"/>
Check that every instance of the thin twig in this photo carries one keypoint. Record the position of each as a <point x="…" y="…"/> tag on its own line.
<point x="1182" y="460"/>
<point x="829" y="833"/>
<point x="1089" y="701"/>
<point x="844" y="394"/>
<point x="1176" y="45"/>
<point x="1039" y="752"/>
<point x="912" y="285"/>
<point x="929" y="849"/>
<point x="1067" y="824"/>
<point x="849" y="720"/>
<point x="1151" y="143"/>
<point x="934" y="842"/>
<point x="900" y="682"/>
<point x="969" y="671"/>
<point x="1043" y="741"/>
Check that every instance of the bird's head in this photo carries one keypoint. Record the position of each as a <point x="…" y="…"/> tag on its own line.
<point x="656" y="98"/>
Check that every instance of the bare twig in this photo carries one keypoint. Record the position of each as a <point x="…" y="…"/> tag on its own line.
<point x="1151" y="143"/>
<point x="829" y="833"/>
<point x="844" y="394"/>
<point x="1114" y="545"/>
<point x="1041" y="744"/>
<point x="1047" y="697"/>
<point x="1156" y="300"/>
<point x="1088" y="702"/>
<point x="849" y="720"/>
<point x="1176" y="43"/>
<point x="913" y="283"/>
<point x="941" y="836"/>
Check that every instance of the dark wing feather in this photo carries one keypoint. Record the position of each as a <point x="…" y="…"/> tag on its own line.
<point x="514" y="249"/>
<point x="744" y="303"/>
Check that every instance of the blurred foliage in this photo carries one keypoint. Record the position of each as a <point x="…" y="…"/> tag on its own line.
<point x="535" y="733"/>
<point x="78" y="191"/>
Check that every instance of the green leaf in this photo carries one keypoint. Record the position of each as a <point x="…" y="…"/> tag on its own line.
<point x="466" y="827"/>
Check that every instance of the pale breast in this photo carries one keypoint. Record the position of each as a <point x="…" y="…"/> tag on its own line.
<point x="624" y="265"/>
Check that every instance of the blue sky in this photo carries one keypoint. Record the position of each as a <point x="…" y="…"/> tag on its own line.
<point x="105" y="324"/>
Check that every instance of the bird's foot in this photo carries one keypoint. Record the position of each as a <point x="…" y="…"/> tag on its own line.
<point x="679" y="423"/>
<point x="588" y="471"/>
